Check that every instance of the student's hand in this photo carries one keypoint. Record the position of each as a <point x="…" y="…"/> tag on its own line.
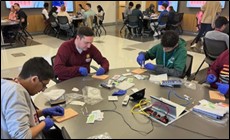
<point x="211" y="78"/>
<point x="141" y="59"/>
<point x="54" y="111"/>
<point x="149" y="66"/>
<point x="83" y="71"/>
<point x="49" y="123"/>
<point x="100" y="71"/>
<point x="223" y="88"/>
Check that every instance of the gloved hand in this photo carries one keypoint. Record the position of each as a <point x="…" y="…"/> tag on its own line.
<point x="119" y="93"/>
<point x="49" y="123"/>
<point x="141" y="59"/>
<point x="83" y="71"/>
<point x="100" y="71"/>
<point x="149" y="66"/>
<point x="223" y="88"/>
<point x="54" y="111"/>
<point x="211" y="78"/>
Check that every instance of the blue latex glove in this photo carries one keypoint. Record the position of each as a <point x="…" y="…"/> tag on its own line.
<point x="119" y="93"/>
<point x="83" y="71"/>
<point x="149" y="66"/>
<point x="54" y="111"/>
<point x="223" y="88"/>
<point x="141" y="59"/>
<point x="100" y="71"/>
<point x="49" y="123"/>
<point x="211" y="78"/>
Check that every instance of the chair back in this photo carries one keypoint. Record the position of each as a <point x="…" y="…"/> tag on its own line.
<point x="62" y="20"/>
<point x="52" y="60"/>
<point x="65" y="134"/>
<point x="213" y="48"/>
<point x="132" y="21"/>
<point x="188" y="67"/>
<point x="52" y="21"/>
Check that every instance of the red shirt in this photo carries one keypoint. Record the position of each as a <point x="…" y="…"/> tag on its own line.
<point x="68" y="60"/>
<point x="220" y="68"/>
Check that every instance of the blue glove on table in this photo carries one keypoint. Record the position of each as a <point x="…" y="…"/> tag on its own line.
<point x="223" y="88"/>
<point x="119" y="92"/>
<point x="149" y="66"/>
<point x="54" y="111"/>
<point x="141" y="59"/>
<point x="49" y="123"/>
<point x="100" y="71"/>
<point x="83" y="71"/>
<point x="211" y="78"/>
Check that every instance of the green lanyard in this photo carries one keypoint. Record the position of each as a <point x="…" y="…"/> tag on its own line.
<point x="169" y="61"/>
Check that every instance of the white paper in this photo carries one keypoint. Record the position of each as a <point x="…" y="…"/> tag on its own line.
<point x="125" y="85"/>
<point x="75" y="89"/>
<point x="158" y="78"/>
<point x="54" y="94"/>
<point x="77" y="103"/>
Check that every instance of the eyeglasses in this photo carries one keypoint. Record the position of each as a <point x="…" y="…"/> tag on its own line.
<point x="43" y="84"/>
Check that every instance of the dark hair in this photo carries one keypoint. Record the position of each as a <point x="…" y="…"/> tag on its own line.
<point x="138" y="6"/>
<point x="171" y="7"/>
<point x="37" y="66"/>
<point x="81" y="6"/>
<point x="169" y="39"/>
<point x="165" y="5"/>
<point x="17" y="4"/>
<point x="88" y="4"/>
<point x="53" y="10"/>
<point x="131" y="4"/>
<point x="100" y="8"/>
<point x="85" y="31"/>
<point x="220" y="21"/>
<point x="151" y="5"/>
<point x="46" y="5"/>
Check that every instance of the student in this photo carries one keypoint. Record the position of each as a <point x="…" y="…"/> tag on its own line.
<point x="74" y="56"/>
<point x="170" y="55"/>
<point x="137" y="12"/>
<point x="218" y="74"/>
<point x="22" y="17"/>
<point x="81" y="10"/>
<point x="12" y="14"/>
<point x="88" y="15"/>
<point x="128" y="10"/>
<point x="171" y="16"/>
<point x="45" y="10"/>
<point x="63" y="12"/>
<point x="100" y="14"/>
<point x="19" y="115"/>
<point x="150" y="10"/>
<point x="210" y="10"/>
<point x="217" y="34"/>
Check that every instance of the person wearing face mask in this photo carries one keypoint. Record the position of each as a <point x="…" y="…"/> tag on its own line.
<point x="74" y="56"/>
<point x="170" y="56"/>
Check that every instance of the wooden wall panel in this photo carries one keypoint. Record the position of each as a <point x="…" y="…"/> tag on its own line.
<point x="35" y="23"/>
<point x="189" y="22"/>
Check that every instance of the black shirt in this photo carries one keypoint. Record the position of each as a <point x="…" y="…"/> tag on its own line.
<point x="21" y="14"/>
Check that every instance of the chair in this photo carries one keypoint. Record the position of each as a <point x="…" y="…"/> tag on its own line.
<point x="101" y="22"/>
<point x="54" y="25"/>
<point x="55" y="79"/>
<point x="46" y="21"/>
<point x="132" y="22"/>
<point x="65" y="134"/>
<point x="163" y="21"/>
<point x="178" y="18"/>
<point x="64" y="25"/>
<point x="124" y="21"/>
<point x="212" y="49"/>
<point x="188" y="67"/>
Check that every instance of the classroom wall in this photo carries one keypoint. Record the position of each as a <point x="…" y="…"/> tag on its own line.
<point x="36" y="23"/>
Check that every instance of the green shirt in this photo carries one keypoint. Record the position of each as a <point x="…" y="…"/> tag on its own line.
<point x="173" y="63"/>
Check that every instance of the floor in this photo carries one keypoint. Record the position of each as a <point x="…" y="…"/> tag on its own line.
<point x="120" y="49"/>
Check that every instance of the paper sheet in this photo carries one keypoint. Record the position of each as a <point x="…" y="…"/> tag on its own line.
<point x="125" y="85"/>
<point x="139" y="71"/>
<point x="101" y="77"/>
<point x="69" y="113"/>
<point x="54" y="94"/>
<point x="216" y="95"/>
<point x="158" y="78"/>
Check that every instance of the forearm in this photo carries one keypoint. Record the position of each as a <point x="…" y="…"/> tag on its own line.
<point x="170" y="72"/>
<point x="37" y="129"/>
